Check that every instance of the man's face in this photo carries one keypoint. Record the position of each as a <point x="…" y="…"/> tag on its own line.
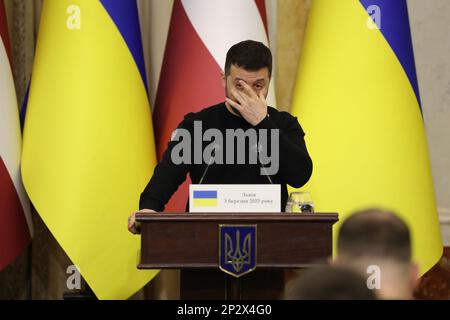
<point x="258" y="80"/>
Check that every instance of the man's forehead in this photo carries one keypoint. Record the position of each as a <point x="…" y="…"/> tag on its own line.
<point x="241" y="73"/>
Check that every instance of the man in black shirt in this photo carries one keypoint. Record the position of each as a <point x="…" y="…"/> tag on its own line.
<point x="245" y="113"/>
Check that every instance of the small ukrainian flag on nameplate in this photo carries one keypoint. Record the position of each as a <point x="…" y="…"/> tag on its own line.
<point x="206" y="198"/>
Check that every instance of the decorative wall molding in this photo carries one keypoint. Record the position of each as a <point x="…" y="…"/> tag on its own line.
<point x="444" y="216"/>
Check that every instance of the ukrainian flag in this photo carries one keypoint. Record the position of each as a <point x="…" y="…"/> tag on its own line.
<point x="358" y="100"/>
<point x="207" y="198"/>
<point x="88" y="147"/>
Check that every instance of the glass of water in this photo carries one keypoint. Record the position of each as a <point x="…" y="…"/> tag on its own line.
<point x="300" y="202"/>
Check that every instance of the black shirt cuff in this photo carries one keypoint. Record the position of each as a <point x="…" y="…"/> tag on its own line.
<point x="151" y="204"/>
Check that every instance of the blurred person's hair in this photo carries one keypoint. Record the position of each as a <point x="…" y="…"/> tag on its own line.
<point x="381" y="239"/>
<point x="329" y="283"/>
<point x="375" y="233"/>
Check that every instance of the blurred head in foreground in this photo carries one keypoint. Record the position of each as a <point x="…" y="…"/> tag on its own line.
<point x="377" y="244"/>
<point x="329" y="283"/>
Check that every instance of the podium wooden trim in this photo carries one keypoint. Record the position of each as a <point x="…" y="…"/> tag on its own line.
<point x="189" y="241"/>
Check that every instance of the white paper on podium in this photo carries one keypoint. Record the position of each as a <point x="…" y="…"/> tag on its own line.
<point x="235" y="198"/>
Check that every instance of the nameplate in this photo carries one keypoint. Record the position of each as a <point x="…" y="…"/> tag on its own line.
<point x="234" y="198"/>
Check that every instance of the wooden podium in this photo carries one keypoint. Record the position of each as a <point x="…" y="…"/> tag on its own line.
<point x="190" y="242"/>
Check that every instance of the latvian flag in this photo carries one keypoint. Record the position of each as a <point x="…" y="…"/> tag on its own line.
<point x="15" y="222"/>
<point x="200" y="34"/>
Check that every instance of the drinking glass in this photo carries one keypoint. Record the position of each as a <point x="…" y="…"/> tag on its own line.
<point x="300" y="202"/>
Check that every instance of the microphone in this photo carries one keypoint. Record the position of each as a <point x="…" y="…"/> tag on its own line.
<point x="266" y="174"/>
<point x="211" y="160"/>
<point x="258" y="148"/>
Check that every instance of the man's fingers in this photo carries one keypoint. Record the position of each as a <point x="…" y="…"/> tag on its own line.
<point x="247" y="89"/>
<point x="234" y="104"/>
<point x="238" y="96"/>
<point x="131" y="223"/>
<point x="133" y="230"/>
<point x="261" y="97"/>
<point x="132" y="227"/>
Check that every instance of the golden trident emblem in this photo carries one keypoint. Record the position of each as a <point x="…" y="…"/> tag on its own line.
<point x="241" y="255"/>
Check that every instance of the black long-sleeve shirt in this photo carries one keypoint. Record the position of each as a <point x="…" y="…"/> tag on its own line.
<point x="295" y="165"/>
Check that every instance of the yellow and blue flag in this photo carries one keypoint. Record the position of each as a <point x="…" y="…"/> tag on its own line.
<point x="88" y="147"/>
<point x="358" y="100"/>
<point x="205" y="198"/>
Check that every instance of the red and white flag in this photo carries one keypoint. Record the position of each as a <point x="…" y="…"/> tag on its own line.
<point x="200" y="34"/>
<point x="15" y="220"/>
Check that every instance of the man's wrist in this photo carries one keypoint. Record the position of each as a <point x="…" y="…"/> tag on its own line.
<point x="266" y="123"/>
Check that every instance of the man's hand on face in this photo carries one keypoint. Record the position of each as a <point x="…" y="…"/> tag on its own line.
<point x="252" y="107"/>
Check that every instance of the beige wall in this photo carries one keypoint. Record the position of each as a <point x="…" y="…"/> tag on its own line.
<point x="291" y="25"/>
<point x="430" y="28"/>
<point x="155" y="20"/>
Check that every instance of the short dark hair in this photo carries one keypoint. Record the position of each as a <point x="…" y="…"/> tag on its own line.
<point x="375" y="233"/>
<point x="250" y="55"/>
<point x="329" y="283"/>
